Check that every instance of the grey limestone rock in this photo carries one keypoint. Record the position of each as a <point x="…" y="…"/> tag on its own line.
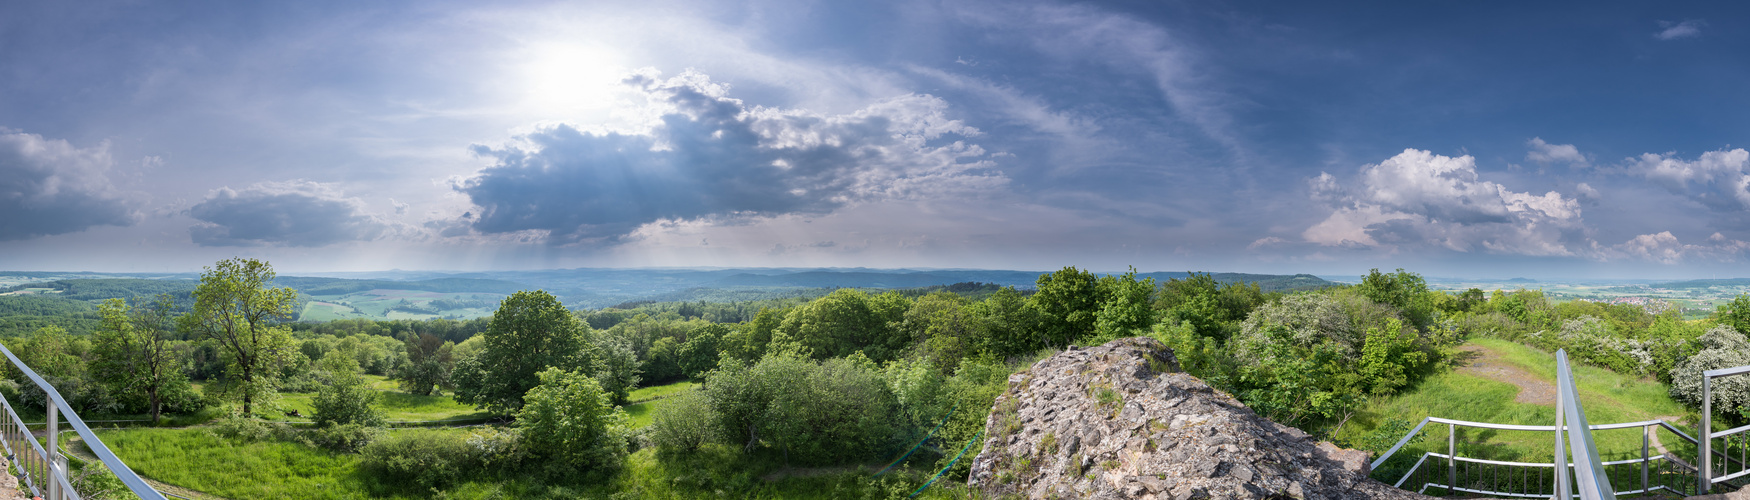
<point x="1122" y="420"/>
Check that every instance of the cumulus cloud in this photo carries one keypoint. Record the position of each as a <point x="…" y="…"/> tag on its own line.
<point x="1664" y="248"/>
<point x="295" y="214"/>
<point x="1685" y="29"/>
<point x="49" y="187"/>
<point x="1420" y="199"/>
<point x="1719" y="179"/>
<point x="713" y="157"/>
<point x="1545" y="153"/>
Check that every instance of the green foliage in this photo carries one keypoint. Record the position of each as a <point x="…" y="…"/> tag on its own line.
<point x="529" y="333"/>
<point x="1735" y="314"/>
<point x="436" y="459"/>
<point x="236" y="307"/>
<point x="60" y="359"/>
<point x="1406" y="291"/>
<point x="1721" y="347"/>
<point x="429" y="363"/>
<point x="1007" y="326"/>
<point x="617" y="369"/>
<point x="684" y="423"/>
<point x="848" y="321"/>
<point x="133" y="353"/>
<point x="1389" y="357"/>
<point x="573" y="423"/>
<point x="700" y="352"/>
<point x="1214" y="309"/>
<point x="825" y="412"/>
<point x="1124" y="306"/>
<point x="1069" y="303"/>
<point x="749" y="342"/>
<point x="346" y="399"/>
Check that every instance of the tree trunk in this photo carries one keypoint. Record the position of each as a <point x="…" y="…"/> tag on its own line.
<point x="153" y="403"/>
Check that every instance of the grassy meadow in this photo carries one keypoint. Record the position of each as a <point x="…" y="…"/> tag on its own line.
<point x="1608" y="397"/>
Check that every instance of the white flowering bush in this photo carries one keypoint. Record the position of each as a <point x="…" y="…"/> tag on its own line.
<point x="1721" y="347"/>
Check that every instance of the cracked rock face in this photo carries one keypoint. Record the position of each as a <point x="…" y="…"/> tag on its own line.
<point x="1123" y="421"/>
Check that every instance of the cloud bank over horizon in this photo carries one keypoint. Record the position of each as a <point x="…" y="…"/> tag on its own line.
<point x="1276" y="137"/>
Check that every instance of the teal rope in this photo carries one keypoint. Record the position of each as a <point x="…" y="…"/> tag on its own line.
<point x="926" y="439"/>
<point x="951" y="463"/>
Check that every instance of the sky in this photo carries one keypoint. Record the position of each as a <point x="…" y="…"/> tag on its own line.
<point x="1463" y="139"/>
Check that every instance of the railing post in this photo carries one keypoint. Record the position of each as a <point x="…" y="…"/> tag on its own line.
<point x="1451" y="459"/>
<point x="1646" y="438"/>
<point x="1704" y="476"/>
<point x="53" y="464"/>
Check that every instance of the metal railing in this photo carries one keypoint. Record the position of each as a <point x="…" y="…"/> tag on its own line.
<point x="1593" y="481"/>
<point x="1540" y="479"/>
<point x="1705" y="479"/>
<point x="45" y="471"/>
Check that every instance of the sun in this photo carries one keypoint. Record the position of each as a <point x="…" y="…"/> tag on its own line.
<point x="569" y="77"/>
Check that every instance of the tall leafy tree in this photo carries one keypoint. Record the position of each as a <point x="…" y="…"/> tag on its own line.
<point x="236" y="306"/>
<point x="1124" y="305"/>
<point x="1068" y="302"/>
<point x="530" y="332"/>
<point x="847" y="321"/>
<point x="132" y="351"/>
<point x="429" y="362"/>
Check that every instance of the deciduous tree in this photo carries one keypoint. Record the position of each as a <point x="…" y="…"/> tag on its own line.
<point x="132" y="351"/>
<point x="530" y="332"/>
<point x="236" y="306"/>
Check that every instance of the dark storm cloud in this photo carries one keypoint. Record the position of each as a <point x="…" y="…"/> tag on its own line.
<point x="295" y="214"/>
<point x="49" y="187"/>
<point x="711" y="156"/>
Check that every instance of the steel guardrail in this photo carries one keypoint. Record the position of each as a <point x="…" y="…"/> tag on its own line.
<point x="114" y="463"/>
<point x="1593" y="482"/>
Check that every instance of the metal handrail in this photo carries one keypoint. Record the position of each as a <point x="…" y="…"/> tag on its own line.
<point x="53" y="457"/>
<point x="1588" y="468"/>
<point x="1515" y="427"/>
<point x="1573" y="435"/>
<point x="1705" y="463"/>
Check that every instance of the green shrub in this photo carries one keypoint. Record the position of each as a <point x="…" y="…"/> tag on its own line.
<point x="685" y="423"/>
<point x="428" y="458"/>
<point x="345" y="438"/>
<point x="348" y="398"/>
<point x="1722" y="347"/>
<point x="571" y="420"/>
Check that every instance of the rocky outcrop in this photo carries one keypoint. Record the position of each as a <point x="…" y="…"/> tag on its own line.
<point x="1123" y="421"/>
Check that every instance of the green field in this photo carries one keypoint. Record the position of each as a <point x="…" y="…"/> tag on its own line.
<point x="397" y="406"/>
<point x="196" y="458"/>
<point x="399" y="304"/>
<point x="1608" y="397"/>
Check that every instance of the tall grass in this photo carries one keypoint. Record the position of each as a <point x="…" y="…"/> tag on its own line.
<point x="200" y="460"/>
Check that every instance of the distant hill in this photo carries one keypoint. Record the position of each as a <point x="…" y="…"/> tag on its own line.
<point x="1679" y="285"/>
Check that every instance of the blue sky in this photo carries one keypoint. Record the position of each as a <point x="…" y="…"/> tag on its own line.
<point x="1454" y="139"/>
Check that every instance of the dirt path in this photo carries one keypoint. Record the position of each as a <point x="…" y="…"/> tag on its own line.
<point x="1482" y="362"/>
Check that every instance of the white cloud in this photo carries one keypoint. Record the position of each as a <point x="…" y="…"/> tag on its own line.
<point x="1664" y="248"/>
<point x="48" y="187"/>
<point x="711" y="157"/>
<point x="1685" y="29"/>
<point x="1545" y="153"/>
<point x="1718" y="179"/>
<point x="1418" y="199"/>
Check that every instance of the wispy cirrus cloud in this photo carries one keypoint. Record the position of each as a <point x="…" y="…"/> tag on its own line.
<point x="1686" y="29"/>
